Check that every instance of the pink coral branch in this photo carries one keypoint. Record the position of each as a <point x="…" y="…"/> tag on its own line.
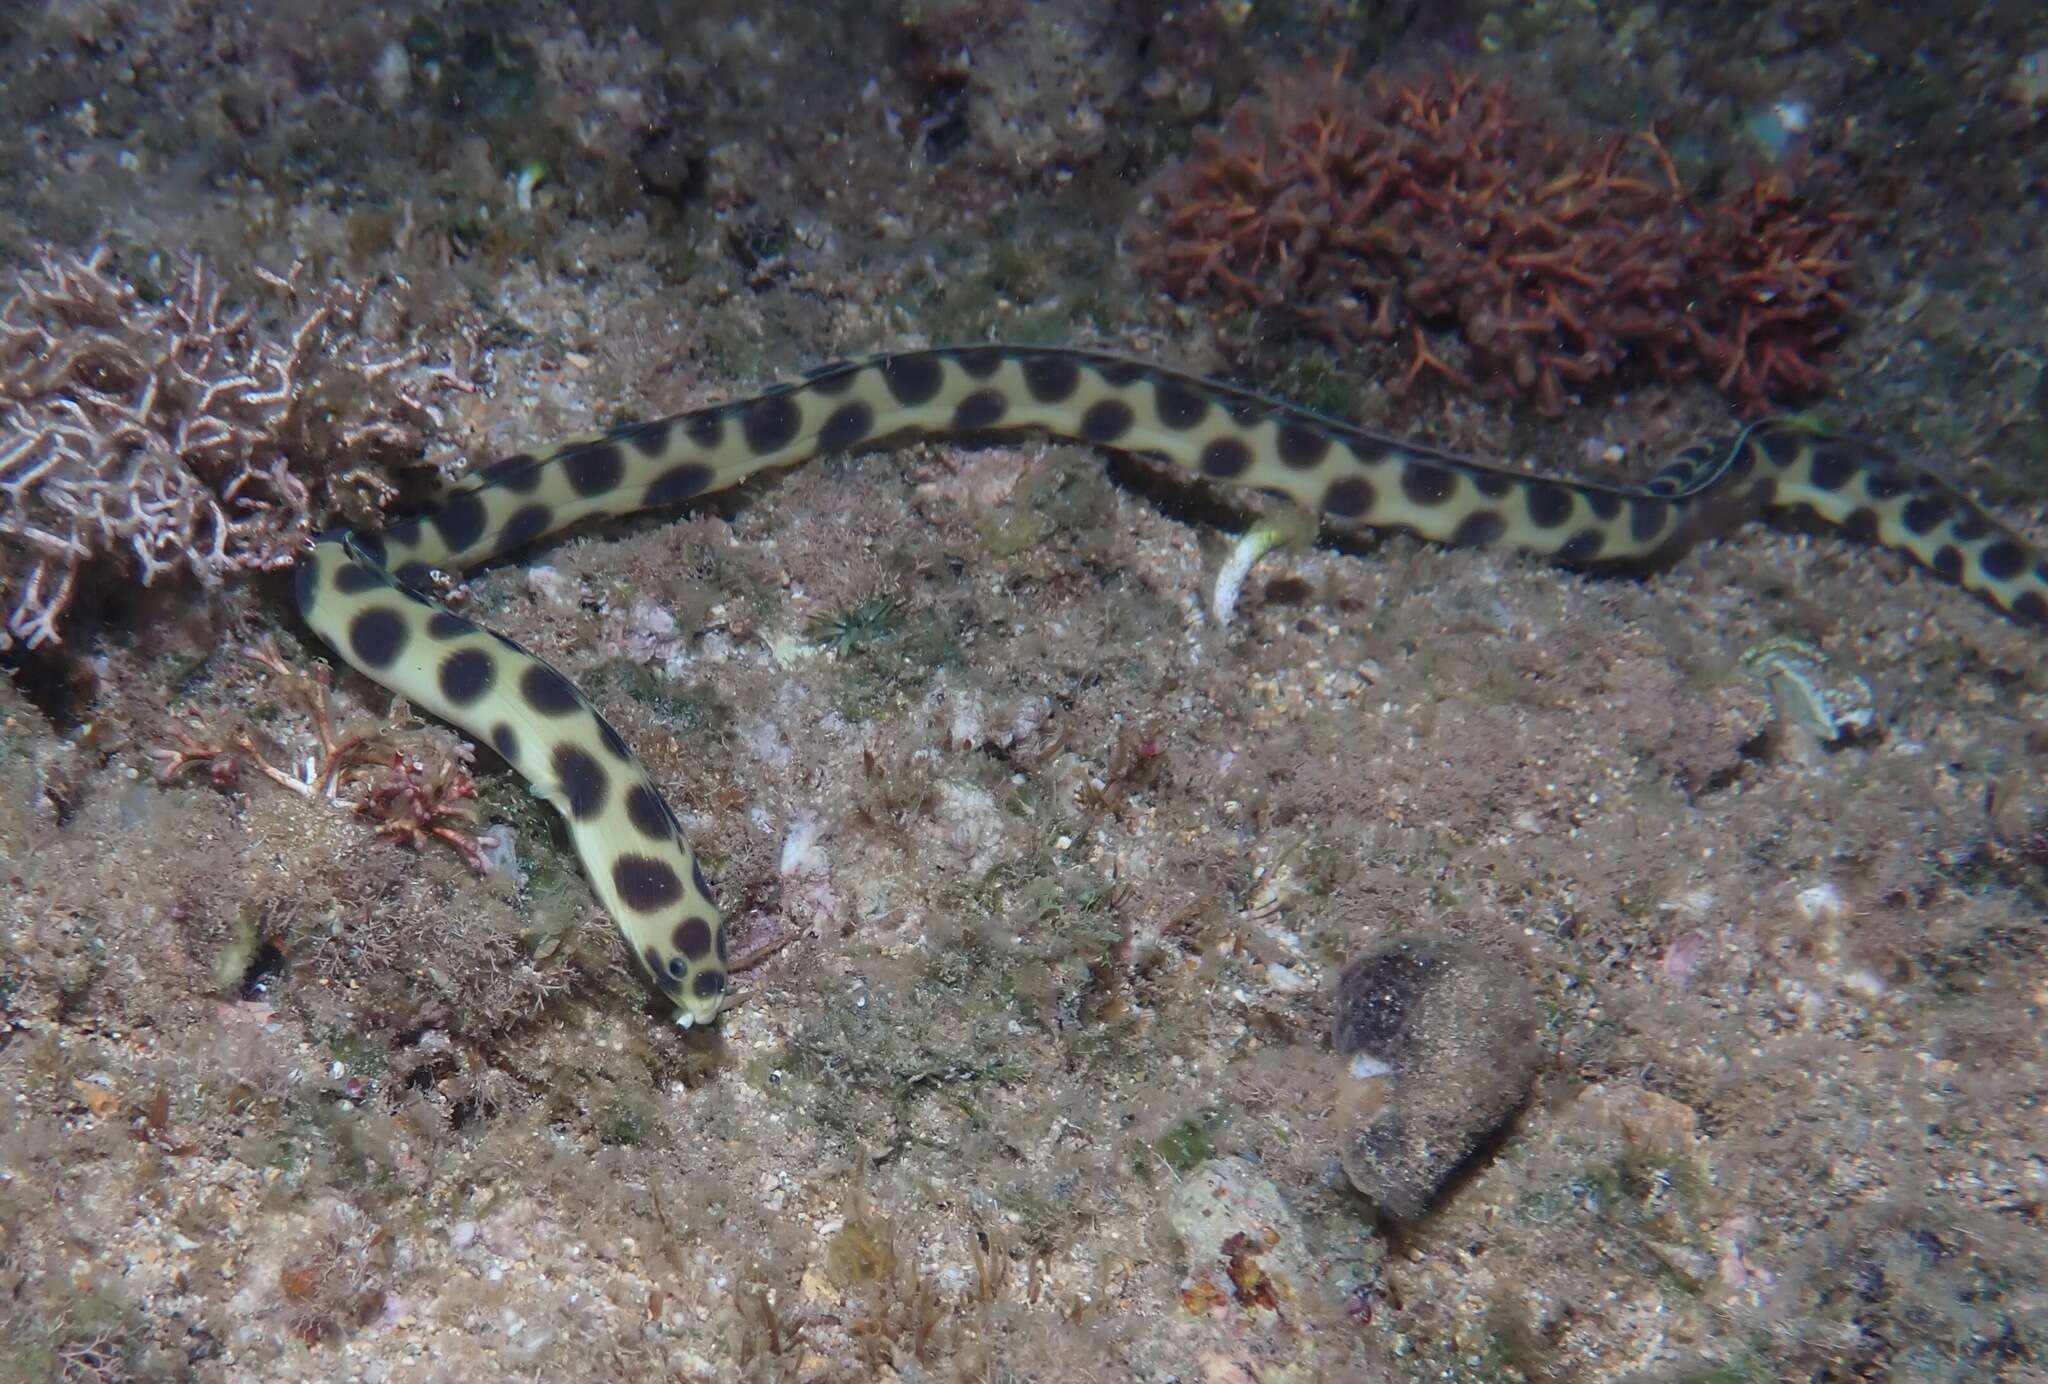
<point x="165" y="435"/>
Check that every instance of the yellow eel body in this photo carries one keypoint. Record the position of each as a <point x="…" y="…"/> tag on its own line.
<point x="364" y="593"/>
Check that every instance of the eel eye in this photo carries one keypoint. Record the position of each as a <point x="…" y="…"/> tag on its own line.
<point x="677" y="967"/>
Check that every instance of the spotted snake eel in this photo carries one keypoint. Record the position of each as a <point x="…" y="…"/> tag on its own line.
<point x="365" y="594"/>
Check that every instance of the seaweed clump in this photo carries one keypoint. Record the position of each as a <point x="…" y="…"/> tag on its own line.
<point x="1396" y="210"/>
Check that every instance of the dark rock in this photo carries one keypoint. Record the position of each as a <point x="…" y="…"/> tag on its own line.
<point x="1434" y="1036"/>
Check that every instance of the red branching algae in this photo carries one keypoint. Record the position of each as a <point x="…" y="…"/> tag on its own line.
<point x="418" y="802"/>
<point x="412" y="800"/>
<point x="1396" y="210"/>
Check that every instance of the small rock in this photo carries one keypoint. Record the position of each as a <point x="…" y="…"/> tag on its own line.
<point x="1647" y="1120"/>
<point x="817" y="1288"/>
<point x="1245" y="1250"/>
<point x="1218" y="1368"/>
<point x="2028" y="85"/>
<point x="1434" y="1038"/>
<point x="1221" y="1369"/>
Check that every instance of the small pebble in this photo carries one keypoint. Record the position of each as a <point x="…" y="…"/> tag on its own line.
<point x="1246" y="1252"/>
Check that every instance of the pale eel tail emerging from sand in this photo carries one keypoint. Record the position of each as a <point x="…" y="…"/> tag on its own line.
<point x="362" y="593"/>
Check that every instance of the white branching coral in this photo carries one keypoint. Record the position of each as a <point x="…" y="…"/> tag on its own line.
<point x="180" y="436"/>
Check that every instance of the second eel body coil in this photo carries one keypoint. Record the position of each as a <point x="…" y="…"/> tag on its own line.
<point x="363" y="593"/>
